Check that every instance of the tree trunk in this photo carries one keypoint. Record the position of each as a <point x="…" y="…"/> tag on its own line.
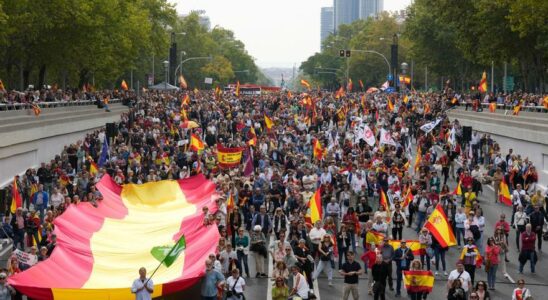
<point x="26" y="75"/>
<point x="41" y="76"/>
<point x="84" y="74"/>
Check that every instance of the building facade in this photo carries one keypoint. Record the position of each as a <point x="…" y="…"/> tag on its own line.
<point x="345" y="11"/>
<point x="370" y="8"/>
<point x="327" y="23"/>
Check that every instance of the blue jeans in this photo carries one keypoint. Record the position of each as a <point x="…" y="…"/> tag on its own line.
<point x="41" y="208"/>
<point x="439" y="252"/>
<point x="460" y="233"/>
<point x="530" y="255"/>
<point x="353" y="240"/>
<point x="399" y="278"/>
<point x="492" y="276"/>
<point x="242" y="262"/>
<point x="421" y="216"/>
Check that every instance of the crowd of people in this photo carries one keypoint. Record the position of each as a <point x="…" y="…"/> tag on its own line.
<point x="348" y="149"/>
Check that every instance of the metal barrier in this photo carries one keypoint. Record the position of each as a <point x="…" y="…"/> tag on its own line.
<point x="23" y="106"/>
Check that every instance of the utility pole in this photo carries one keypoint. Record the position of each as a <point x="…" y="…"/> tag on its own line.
<point x="412" y="80"/>
<point x="131" y="79"/>
<point x="153" y="68"/>
<point x="426" y="78"/>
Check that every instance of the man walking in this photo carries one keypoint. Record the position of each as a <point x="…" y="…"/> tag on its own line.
<point x="403" y="257"/>
<point x="351" y="270"/>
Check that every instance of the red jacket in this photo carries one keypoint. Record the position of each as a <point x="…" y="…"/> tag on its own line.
<point x="528" y="240"/>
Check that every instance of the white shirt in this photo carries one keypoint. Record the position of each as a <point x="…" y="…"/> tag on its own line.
<point x="316" y="235"/>
<point x="142" y="294"/>
<point x="333" y="209"/>
<point x="240" y="284"/>
<point x="301" y="285"/>
<point x="464" y="278"/>
<point x="357" y="183"/>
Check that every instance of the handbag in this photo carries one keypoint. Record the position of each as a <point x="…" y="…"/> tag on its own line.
<point x="232" y="292"/>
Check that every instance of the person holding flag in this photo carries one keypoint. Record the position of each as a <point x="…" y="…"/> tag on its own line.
<point x="142" y="287"/>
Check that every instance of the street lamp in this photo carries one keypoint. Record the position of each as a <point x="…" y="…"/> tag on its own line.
<point x="166" y="67"/>
<point x="189" y="59"/>
<point x="374" y="52"/>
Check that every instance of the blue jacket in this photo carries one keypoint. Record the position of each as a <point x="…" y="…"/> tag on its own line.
<point x="45" y="198"/>
<point x="403" y="261"/>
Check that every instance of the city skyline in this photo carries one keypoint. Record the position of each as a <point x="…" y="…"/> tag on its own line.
<point x="276" y="34"/>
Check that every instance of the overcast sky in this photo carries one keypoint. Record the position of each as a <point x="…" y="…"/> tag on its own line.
<point x="277" y="33"/>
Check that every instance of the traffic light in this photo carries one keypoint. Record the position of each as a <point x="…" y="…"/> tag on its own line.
<point x="347" y="53"/>
<point x="341" y="53"/>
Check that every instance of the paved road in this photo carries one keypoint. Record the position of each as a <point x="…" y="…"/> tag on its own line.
<point x="537" y="283"/>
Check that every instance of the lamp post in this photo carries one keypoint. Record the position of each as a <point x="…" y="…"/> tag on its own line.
<point x="404" y="66"/>
<point x="189" y="59"/>
<point x="394" y="57"/>
<point x="166" y="67"/>
<point x="377" y="53"/>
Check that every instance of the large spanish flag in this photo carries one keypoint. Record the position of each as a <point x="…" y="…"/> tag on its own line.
<point x="268" y="122"/>
<point x="196" y="144"/>
<point x="504" y="193"/>
<point x="416" y="281"/>
<point x="229" y="157"/>
<point x="130" y="228"/>
<point x="439" y="227"/>
<point x="315" y="210"/>
<point x="408" y="198"/>
<point x="124" y="85"/>
<point x="16" y="200"/>
<point x="238" y="88"/>
<point x="383" y="201"/>
<point x="418" y="159"/>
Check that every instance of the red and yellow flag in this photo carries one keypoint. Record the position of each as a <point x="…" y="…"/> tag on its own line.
<point x="230" y="202"/>
<point x="405" y="99"/>
<point x="268" y="122"/>
<point x="458" y="189"/>
<point x="16" y="200"/>
<point x="361" y="84"/>
<point x="545" y="102"/>
<point x="340" y="93"/>
<point x="124" y="85"/>
<point x="182" y="82"/>
<point x="93" y="168"/>
<point x="418" y="159"/>
<point x="439" y="227"/>
<point x="517" y="109"/>
<point x="483" y="83"/>
<point x="479" y="259"/>
<point x="413" y="245"/>
<point x="238" y="88"/>
<point x="196" y="144"/>
<point x="383" y="200"/>
<point x="229" y="157"/>
<point x="492" y="107"/>
<point x="186" y="100"/>
<point x="350" y="85"/>
<point x="390" y="105"/>
<point x="373" y="236"/>
<point x="305" y="84"/>
<point x="37" y="110"/>
<point x="504" y="193"/>
<point x="253" y="139"/>
<point x="318" y="149"/>
<point x="2" y="87"/>
<point x="418" y="281"/>
<point x="315" y="212"/>
<point x="408" y="198"/>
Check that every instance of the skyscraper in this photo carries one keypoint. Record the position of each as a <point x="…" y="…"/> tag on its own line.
<point x="370" y="8"/>
<point x="327" y="25"/>
<point x="345" y="11"/>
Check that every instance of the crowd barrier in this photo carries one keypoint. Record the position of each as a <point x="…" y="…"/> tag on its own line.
<point x="23" y="106"/>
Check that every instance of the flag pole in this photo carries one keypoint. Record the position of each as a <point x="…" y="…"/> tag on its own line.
<point x="158" y="267"/>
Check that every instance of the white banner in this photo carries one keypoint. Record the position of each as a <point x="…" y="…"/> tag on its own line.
<point x="386" y="138"/>
<point x="25" y="258"/>
<point x="430" y="126"/>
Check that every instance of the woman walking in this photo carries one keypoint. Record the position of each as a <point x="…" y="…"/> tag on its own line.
<point x="492" y="255"/>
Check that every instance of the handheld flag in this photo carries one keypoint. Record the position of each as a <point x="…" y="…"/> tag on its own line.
<point x="16" y="200"/>
<point x="408" y="198"/>
<point x="37" y="110"/>
<point x="418" y="159"/>
<point x="414" y="245"/>
<point x="229" y="157"/>
<point x="373" y="236"/>
<point x="350" y="85"/>
<point x="483" y="83"/>
<point x="252" y="137"/>
<point x="390" y="105"/>
<point x="93" y="168"/>
<point x="383" y="200"/>
<point x="238" y="88"/>
<point x="2" y="87"/>
<point x="361" y="84"/>
<point x="458" y="189"/>
<point x="196" y="144"/>
<point x="268" y="122"/>
<point x="504" y="193"/>
<point x="168" y="259"/>
<point x="124" y="85"/>
<point x="230" y="202"/>
<point x="318" y="150"/>
<point x="465" y="250"/>
<point x="430" y="125"/>
<point x="439" y="227"/>
<point x="315" y="208"/>
<point x="416" y="281"/>
<point x="182" y="82"/>
<point x="517" y="109"/>
<point x="305" y="84"/>
<point x="544" y="101"/>
<point x="339" y="93"/>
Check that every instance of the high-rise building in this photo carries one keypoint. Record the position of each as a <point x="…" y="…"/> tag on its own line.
<point x="327" y="23"/>
<point x="345" y="11"/>
<point x="370" y="8"/>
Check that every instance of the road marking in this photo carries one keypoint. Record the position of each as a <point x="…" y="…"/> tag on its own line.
<point x="270" y="269"/>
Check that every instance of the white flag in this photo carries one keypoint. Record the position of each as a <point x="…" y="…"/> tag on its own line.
<point x="369" y="136"/>
<point x="386" y="138"/>
<point x="430" y="126"/>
